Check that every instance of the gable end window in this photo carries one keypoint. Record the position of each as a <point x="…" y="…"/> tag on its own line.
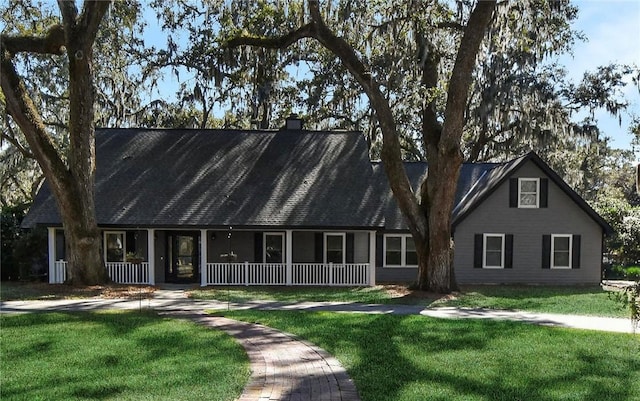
<point x="528" y="193"/>
<point x="400" y="251"/>
<point x="493" y="251"/>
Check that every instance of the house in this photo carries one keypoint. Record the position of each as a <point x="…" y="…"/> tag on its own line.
<point x="298" y="207"/>
<point x="514" y="222"/>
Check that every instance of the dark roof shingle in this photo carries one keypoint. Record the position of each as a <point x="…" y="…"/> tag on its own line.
<point x="152" y="177"/>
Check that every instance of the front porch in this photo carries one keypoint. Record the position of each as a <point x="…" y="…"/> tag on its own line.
<point x="230" y="257"/>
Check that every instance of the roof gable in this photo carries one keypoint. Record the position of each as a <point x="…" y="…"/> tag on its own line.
<point x="495" y="177"/>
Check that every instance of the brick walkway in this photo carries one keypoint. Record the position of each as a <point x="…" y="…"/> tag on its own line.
<point x="283" y="367"/>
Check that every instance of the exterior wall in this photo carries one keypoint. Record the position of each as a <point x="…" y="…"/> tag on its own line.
<point x="241" y="244"/>
<point x="562" y="216"/>
<point x="141" y="242"/>
<point x="303" y="247"/>
<point x="391" y="274"/>
<point x="361" y="247"/>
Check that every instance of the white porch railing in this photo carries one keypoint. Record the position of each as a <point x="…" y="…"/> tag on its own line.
<point x="128" y="273"/>
<point x="59" y="273"/>
<point x="276" y="274"/>
<point x="119" y="272"/>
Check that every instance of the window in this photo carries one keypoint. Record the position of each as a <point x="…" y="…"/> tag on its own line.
<point x="400" y="250"/>
<point x="114" y="246"/>
<point x="528" y="192"/>
<point x="335" y="248"/>
<point x="493" y="253"/>
<point x="561" y="251"/>
<point x="273" y="247"/>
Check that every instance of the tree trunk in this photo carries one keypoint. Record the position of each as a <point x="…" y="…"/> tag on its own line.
<point x="73" y="185"/>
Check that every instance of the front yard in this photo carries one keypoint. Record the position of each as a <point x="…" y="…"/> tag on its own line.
<point x="136" y="356"/>
<point x="413" y="358"/>
<point x="116" y="356"/>
<point x="593" y="301"/>
<point x="590" y="301"/>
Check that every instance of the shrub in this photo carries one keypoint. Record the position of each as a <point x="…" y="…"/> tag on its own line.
<point x="632" y="272"/>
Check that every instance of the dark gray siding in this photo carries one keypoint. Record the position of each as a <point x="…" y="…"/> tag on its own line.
<point x="562" y="216"/>
<point x="391" y="274"/>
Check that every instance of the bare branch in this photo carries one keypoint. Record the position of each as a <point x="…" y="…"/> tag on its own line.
<point x="14" y="141"/>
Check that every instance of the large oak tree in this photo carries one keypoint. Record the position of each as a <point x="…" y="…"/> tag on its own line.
<point x="70" y="176"/>
<point x="427" y="211"/>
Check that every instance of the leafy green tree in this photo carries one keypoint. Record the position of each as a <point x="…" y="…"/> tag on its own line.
<point x="71" y="176"/>
<point x="428" y="213"/>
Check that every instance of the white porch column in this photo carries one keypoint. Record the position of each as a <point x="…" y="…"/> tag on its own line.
<point x="151" y="255"/>
<point x="372" y="258"/>
<point x="288" y="247"/>
<point x="51" y="235"/>
<point x="204" y="240"/>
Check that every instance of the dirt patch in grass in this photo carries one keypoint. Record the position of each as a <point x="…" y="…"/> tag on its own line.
<point x="31" y="290"/>
<point x="404" y="292"/>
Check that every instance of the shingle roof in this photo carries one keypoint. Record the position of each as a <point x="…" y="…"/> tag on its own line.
<point x="168" y="178"/>
<point x="287" y="178"/>
<point x="393" y="218"/>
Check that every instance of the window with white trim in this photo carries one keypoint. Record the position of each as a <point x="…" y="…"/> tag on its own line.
<point x="493" y="251"/>
<point x="273" y="247"/>
<point x="335" y="248"/>
<point x="400" y="251"/>
<point x="114" y="246"/>
<point x="528" y="192"/>
<point x="561" y="246"/>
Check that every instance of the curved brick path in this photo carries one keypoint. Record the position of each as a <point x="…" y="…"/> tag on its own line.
<point x="284" y="367"/>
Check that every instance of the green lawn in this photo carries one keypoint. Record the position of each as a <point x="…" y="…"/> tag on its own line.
<point x="592" y="301"/>
<point x="116" y="356"/>
<point x="403" y="358"/>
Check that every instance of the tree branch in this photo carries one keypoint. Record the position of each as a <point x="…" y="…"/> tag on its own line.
<point x="51" y="43"/>
<point x="461" y="75"/>
<point x="280" y="42"/>
<point x="20" y="106"/>
<point x="90" y="19"/>
<point x="14" y="141"/>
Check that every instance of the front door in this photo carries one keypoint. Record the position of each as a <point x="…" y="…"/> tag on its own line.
<point x="182" y="257"/>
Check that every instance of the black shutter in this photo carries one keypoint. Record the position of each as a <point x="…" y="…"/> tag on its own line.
<point x="477" y="251"/>
<point x="575" y="252"/>
<point x="544" y="192"/>
<point x="508" y="251"/>
<point x="131" y="241"/>
<point x="319" y="248"/>
<point x="258" y="247"/>
<point x="513" y="192"/>
<point x="350" y="248"/>
<point x="546" y="251"/>
<point x="379" y="250"/>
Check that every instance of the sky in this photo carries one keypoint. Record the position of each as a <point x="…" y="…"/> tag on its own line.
<point x="612" y="28"/>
